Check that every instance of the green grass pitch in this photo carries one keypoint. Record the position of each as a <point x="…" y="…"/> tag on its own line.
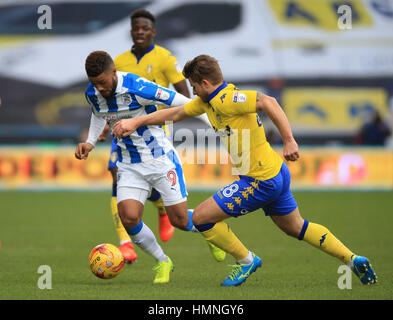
<point x="60" y="229"/>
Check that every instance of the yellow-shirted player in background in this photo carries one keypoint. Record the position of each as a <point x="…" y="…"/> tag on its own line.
<point x="157" y="64"/>
<point x="264" y="178"/>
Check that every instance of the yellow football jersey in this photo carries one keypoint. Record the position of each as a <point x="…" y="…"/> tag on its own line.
<point x="232" y="113"/>
<point x="157" y="65"/>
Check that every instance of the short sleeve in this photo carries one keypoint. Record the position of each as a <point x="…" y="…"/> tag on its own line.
<point x="173" y="71"/>
<point x="152" y="93"/>
<point x="195" y="107"/>
<point x="238" y="102"/>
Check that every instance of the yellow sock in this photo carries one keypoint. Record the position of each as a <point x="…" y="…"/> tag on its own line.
<point x="320" y="237"/>
<point x="223" y="237"/>
<point x="122" y="233"/>
<point x="159" y="204"/>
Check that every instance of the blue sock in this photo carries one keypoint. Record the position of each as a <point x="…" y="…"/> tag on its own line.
<point x="114" y="189"/>
<point x="204" y="227"/>
<point x="135" y="230"/>
<point x="190" y="226"/>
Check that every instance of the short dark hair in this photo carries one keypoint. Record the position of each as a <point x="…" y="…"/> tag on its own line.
<point x="142" y="13"/>
<point x="203" y="67"/>
<point x="97" y="62"/>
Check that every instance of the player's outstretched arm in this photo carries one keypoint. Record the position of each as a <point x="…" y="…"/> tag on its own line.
<point x="270" y="106"/>
<point x="125" y="127"/>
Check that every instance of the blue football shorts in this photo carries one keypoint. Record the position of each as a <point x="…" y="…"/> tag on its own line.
<point x="247" y="194"/>
<point x="113" y="157"/>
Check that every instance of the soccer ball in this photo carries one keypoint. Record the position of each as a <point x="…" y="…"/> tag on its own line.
<point x="106" y="261"/>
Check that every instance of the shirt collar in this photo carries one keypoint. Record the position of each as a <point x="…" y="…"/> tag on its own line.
<point x="147" y="51"/>
<point x="119" y="82"/>
<point x="215" y="92"/>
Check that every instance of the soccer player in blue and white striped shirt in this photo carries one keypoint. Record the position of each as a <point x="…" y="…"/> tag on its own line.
<point x="147" y="159"/>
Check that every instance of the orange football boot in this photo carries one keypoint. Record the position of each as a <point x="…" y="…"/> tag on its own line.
<point x="128" y="252"/>
<point x="166" y="230"/>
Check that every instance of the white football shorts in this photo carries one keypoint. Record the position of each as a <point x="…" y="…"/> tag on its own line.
<point x="165" y="174"/>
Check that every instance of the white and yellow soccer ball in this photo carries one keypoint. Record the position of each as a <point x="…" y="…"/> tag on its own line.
<point x="106" y="261"/>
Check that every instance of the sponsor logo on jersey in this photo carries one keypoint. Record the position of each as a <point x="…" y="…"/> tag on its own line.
<point x="239" y="97"/>
<point x="162" y="94"/>
<point x="110" y="117"/>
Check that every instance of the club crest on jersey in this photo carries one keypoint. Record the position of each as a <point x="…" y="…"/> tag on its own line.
<point x="162" y="94"/>
<point x="239" y="97"/>
<point x="127" y="98"/>
<point x="149" y="68"/>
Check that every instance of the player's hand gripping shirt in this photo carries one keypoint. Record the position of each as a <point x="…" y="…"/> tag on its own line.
<point x="232" y="113"/>
<point x="134" y="96"/>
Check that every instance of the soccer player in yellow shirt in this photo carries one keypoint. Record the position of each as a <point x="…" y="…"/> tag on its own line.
<point x="157" y="64"/>
<point x="264" y="178"/>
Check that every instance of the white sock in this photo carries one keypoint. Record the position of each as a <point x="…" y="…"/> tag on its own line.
<point x="248" y="259"/>
<point x="146" y="240"/>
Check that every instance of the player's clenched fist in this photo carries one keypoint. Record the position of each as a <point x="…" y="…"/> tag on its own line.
<point x="82" y="150"/>
<point x="291" y="150"/>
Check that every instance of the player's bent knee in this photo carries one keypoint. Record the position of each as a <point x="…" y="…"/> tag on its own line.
<point x="291" y="225"/>
<point x="293" y="229"/>
<point x="129" y="218"/>
<point x="179" y="222"/>
<point x="178" y="215"/>
<point x="196" y="217"/>
<point x="292" y="232"/>
<point x="129" y="222"/>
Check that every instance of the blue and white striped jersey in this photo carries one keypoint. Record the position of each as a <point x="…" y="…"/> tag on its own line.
<point x="134" y="96"/>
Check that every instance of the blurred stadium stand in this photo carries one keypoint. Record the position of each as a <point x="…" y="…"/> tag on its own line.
<point x="329" y="81"/>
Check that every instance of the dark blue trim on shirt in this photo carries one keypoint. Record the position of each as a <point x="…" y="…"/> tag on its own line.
<point x="147" y="51"/>
<point x="215" y="92"/>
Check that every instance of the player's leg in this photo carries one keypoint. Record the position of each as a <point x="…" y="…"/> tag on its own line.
<point x="126" y="247"/>
<point x="133" y="185"/>
<point x="315" y="234"/>
<point x="165" y="227"/>
<point x="208" y="219"/>
<point x="322" y="238"/>
<point x="131" y="202"/>
<point x="170" y="182"/>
